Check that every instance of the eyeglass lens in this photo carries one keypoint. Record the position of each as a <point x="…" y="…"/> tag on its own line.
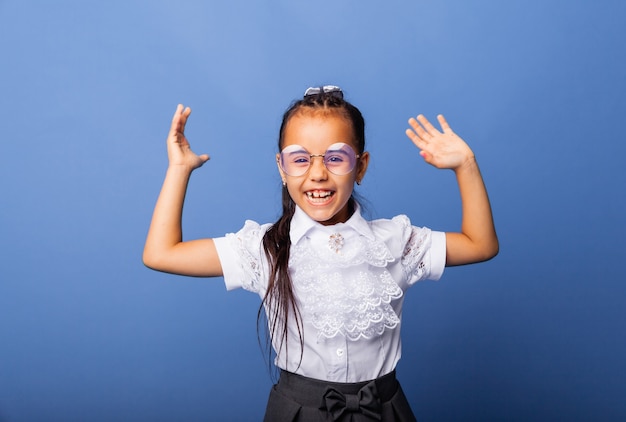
<point x="339" y="159"/>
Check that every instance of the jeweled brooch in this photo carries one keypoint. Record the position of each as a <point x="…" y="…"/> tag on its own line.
<point x="335" y="242"/>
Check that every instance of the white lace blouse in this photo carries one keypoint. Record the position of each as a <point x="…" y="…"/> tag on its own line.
<point x="349" y="281"/>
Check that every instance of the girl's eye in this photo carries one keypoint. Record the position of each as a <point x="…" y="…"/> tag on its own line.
<point x="300" y="159"/>
<point x="335" y="157"/>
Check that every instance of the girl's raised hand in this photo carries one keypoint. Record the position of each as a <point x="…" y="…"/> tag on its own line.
<point x="442" y="149"/>
<point x="179" y="151"/>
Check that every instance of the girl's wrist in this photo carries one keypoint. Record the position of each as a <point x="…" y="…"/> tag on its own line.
<point x="180" y="170"/>
<point x="469" y="164"/>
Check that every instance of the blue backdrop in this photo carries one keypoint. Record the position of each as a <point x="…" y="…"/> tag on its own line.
<point x="87" y="90"/>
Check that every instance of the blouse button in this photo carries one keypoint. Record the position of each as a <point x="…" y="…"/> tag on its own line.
<point x="340" y="352"/>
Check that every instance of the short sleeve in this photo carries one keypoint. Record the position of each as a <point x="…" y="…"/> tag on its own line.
<point x="242" y="258"/>
<point x="424" y="254"/>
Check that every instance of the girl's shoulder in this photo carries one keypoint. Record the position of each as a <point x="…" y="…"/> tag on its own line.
<point x="253" y="226"/>
<point x="392" y="231"/>
<point x="397" y="230"/>
<point x="398" y="223"/>
<point x="250" y="234"/>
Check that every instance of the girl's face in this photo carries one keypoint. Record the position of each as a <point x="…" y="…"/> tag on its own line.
<point x="321" y="194"/>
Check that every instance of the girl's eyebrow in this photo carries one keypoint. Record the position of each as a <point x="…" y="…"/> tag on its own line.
<point x="291" y="149"/>
<point x="296" y="151"/>
<point x="337" y="149"/>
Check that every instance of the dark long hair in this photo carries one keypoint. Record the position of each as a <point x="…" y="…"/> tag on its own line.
<point x="280" y="300"/>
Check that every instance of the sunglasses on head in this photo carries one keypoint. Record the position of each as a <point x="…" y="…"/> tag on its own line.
<point x="332" y="90"/>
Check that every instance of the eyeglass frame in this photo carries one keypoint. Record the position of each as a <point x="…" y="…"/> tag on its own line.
<point x="279" y="159"/>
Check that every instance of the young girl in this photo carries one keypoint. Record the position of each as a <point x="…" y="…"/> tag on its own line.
<point x="332" y="283"/>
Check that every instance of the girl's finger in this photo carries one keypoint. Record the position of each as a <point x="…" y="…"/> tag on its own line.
<point x="419" y="130"/>
<point x="419" y="142"/>
<point x="444" y="124"/>
<point x="175" y="119"/>
<point x="432" y="131"/>
<point x="183" y="118"/>
<point x="179" y="120"/>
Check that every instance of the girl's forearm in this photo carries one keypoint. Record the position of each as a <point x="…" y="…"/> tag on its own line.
<point x="478" y="240"/>
<point x="166" y="226"/>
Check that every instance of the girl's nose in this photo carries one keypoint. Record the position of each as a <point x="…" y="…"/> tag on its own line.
<point x="318" y="170"/>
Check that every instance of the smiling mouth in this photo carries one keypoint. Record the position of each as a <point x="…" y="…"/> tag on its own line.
<point x="319" y="196"/>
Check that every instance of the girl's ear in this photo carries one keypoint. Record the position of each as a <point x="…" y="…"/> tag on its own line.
<point x="362" y="166"/>
<point x="280" y="170"/>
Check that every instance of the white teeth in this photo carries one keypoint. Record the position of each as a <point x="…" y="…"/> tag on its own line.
<point x="318" y="194"/>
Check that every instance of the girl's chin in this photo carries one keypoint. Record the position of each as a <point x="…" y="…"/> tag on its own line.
<point x="327" y="217"/>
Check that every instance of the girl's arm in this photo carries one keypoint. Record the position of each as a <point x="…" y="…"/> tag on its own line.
<point x="477" y="240"/>
<point x="164" y="249"/>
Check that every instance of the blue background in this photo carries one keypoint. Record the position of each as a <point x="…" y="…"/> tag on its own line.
<point x="87" y="90"/>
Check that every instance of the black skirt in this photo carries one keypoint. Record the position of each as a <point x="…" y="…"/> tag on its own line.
<point x="297" y="398"/>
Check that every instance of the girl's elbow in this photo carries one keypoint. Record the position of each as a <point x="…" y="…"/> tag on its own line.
<point x="147" y="261"/>
<point x="491" y="250"/>
<point x="151" y="260"/>
<point x="485" y="251"/>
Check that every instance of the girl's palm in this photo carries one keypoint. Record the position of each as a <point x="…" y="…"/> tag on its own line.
<point x="178" y="149"/>
<point x="442" y="149"/>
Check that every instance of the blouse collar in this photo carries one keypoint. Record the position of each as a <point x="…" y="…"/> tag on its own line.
<point x="301" y="224"/>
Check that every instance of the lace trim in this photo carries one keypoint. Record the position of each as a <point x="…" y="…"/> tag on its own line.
<point x="346" y="294"/>
<point x="344" y="290"/>
<point x="242" y="241"/>
<point x="412" y="260"/>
